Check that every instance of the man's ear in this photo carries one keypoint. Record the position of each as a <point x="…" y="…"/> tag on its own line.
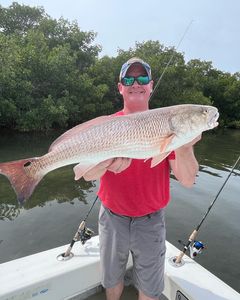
<point x="152" y="82"/>
<point x="120" y="88"/>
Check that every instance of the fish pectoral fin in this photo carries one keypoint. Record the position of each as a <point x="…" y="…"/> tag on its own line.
<point x="157" y="159"/>
<point x="166" y="141"/>
<point x="81" y="169"/>
<point x="89" y="171"/>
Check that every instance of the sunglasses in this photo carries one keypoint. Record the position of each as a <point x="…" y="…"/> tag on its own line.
<point x="141" y="80"/>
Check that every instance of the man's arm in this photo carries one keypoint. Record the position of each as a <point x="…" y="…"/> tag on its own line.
<point x="185" y="165"/>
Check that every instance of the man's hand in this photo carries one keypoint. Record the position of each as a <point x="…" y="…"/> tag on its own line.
<point x="115" y="165"/>
<point x="185" y="165"/>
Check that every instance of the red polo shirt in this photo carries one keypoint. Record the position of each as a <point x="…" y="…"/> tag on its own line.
<point x="139" y="190"/>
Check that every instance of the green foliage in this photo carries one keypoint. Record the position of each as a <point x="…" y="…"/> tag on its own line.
<point x="51" y="75"/>
<point x="234" y="124"/>
<point x="44" y="81"/>
<point x="18" y="19"/>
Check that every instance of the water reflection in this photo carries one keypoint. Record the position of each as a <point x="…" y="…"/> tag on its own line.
<point x="206" y="169"/>
<point x="58" y="186"/>
<point x="9" y="212"/>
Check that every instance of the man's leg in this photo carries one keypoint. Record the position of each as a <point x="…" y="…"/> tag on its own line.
<point x="141" y="296"/>
<point x="114" y="251"/>
<point x="115" y="292"/>
<point x="148" y="250"/>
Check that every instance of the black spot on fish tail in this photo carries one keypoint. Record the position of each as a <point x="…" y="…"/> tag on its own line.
<point x="27" y="164"/>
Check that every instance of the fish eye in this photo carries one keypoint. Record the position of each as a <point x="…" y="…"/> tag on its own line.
<point x="205" y="110"/>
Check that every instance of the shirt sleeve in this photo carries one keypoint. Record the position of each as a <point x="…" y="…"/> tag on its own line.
<point x="171" y="156"/>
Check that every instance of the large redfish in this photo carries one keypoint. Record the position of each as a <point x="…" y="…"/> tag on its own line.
<point x="149" y="134"/>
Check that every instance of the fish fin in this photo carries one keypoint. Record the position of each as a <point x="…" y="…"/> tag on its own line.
<point x="98" y="173"/>
<point x="79" y="128"/>
<point x="22" y="183"/>
<point x="81" y="169"/>
<point x="166" y="142"/>
<point x="159" y="158"/>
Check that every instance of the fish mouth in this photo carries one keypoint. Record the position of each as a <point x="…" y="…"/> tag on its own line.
<point x="212" y="122"/>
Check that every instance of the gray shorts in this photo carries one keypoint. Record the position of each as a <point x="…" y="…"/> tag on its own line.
<point x="144" y="238"/>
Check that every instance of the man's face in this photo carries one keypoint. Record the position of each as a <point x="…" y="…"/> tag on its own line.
<point x="136" y="96"/>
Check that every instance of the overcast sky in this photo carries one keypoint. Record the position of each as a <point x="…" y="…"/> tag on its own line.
<point x="213" y="36"/>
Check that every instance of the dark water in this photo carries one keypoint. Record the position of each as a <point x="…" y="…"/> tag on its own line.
<point x="56" y="208"/>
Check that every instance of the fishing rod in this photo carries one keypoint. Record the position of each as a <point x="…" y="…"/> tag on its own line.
<point x="83" y="233"/>
<point x="196" y="246"/>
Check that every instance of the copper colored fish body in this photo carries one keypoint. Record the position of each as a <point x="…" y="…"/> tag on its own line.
<point x="149" y="134"/>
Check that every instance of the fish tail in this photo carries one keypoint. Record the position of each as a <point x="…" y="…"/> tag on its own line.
<point x="22" y="181"/>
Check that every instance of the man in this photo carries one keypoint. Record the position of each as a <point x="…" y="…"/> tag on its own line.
<point x="133" y="199"/>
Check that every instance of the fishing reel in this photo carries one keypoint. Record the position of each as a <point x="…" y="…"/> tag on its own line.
<point x="195" y="248"/>
<point x="85" y="234"/>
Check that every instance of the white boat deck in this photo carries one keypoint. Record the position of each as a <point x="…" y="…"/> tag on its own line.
<point x="42" y="277"/>
<point x="129" y="293"/>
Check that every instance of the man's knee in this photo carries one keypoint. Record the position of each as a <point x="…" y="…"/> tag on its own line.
<point x="114" y="293"/>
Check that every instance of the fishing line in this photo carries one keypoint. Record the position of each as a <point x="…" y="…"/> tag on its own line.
<point x="171" y="58"/>
<point x="177" y="260"/>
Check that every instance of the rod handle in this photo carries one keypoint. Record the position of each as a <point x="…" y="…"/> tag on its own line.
<point x="191" y="238"/>
<point x="82" y="225"/>
<point x="193" y="235"/>
<point x="76" y="236"/>
<point x="179" y="257"/>
<point x="67" y="253"/>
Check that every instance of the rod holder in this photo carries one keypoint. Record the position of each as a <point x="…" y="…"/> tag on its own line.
<point x="62" y="257"/>
<point x="173" y="262"/>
